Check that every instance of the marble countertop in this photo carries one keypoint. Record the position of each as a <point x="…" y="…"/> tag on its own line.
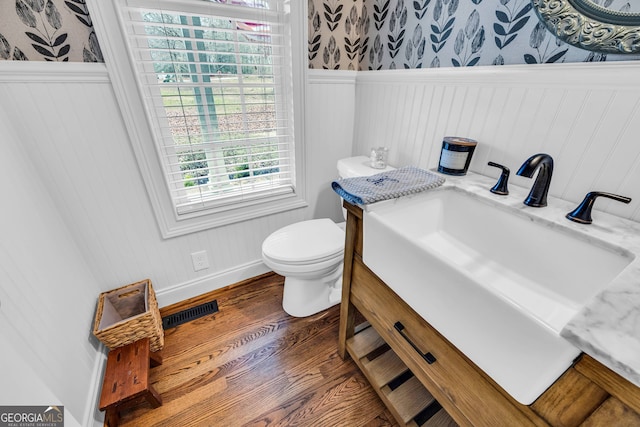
<point x="608" y="327"/>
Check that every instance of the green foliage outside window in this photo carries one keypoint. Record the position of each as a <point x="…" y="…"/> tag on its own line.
<point x="214" y="55"/>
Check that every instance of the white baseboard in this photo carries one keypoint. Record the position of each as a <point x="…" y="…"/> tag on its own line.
<point x="92" y="415"/>
<point x="202" y="285"/>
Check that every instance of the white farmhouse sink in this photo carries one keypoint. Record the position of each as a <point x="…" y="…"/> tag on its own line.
<point x="495" y="282"/>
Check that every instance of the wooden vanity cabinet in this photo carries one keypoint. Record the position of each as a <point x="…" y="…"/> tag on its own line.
<point x="587" y="394"/>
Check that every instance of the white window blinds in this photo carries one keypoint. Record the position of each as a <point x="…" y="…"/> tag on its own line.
<point x="216" y="81"/>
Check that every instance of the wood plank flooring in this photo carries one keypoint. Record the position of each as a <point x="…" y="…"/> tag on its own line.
<point x="251" y="364"/>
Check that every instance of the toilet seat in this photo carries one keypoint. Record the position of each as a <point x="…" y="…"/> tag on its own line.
<point x="316" y="241"/>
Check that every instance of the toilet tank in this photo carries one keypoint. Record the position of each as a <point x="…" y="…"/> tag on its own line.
<point x="357" y="166"/>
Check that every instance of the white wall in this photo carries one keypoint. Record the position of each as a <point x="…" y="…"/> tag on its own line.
<point x="47" y="293"/>
<point x="22" y="385"/>
<point x="69" y="120"/>
<point x="329" y="128"/>
<point x="586" y="116"/>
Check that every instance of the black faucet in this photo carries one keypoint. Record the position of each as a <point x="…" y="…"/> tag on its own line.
<point x="501" y="186"/>
<point x="538" y="195"/>
<point x="582" y="213"/>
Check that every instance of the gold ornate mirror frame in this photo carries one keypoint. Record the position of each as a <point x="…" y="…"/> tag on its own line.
<point x="586" y="25"/>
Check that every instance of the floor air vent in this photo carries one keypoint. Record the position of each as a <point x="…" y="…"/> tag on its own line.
<point x="193" y="313"/>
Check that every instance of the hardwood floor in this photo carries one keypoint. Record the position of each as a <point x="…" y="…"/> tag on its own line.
<point x="251" y="364"/>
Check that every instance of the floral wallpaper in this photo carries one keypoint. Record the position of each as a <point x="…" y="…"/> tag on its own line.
<point x="47" y="30"/>
<point x="391" y="34"/>
<point x="343" y="34"/>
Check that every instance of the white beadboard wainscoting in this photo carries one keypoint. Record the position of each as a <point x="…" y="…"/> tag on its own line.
<point x="586" y="116"/>
<point x="70" y="123"/>
<point x="76" y="139"/>
<point x="80" y="177"/>
<point x="47" y="294"/>
<point x="329" y="129"/>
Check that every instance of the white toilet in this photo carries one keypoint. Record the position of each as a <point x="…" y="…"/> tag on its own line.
<point x="309" y="254"/>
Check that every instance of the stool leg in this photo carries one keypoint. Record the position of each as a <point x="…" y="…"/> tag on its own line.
<point x="153" y="397"/>
<point x="155" y="359"/>
<point x="112" y="418"/>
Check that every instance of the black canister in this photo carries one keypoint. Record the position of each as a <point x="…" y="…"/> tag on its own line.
<point x="455" y="155"/>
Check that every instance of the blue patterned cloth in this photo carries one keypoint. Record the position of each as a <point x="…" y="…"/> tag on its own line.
<point x="395" y="183"/>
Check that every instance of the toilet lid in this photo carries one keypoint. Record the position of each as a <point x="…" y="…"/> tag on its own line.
<point x="303" y="241"/>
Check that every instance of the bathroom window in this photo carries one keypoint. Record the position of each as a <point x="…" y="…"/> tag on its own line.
<point x="216" y="81"/>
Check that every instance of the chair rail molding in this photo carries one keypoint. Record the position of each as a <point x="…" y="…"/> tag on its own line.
<point x="53" y="72"/>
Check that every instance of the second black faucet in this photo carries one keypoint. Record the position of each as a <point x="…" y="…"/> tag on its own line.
<point x="537" y="197"/>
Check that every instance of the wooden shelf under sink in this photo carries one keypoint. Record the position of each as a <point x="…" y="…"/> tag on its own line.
<point x="407" y="399"/>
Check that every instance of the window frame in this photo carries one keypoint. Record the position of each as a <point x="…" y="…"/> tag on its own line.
<point x="122" y="72"/>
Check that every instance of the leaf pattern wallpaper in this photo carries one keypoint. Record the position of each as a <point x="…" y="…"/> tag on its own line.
<point x="406" y="34"/>
<point x="342" y="34"/>
<point x="47" y="30"/>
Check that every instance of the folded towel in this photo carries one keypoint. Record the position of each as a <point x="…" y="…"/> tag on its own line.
<point x="395" y="183"/>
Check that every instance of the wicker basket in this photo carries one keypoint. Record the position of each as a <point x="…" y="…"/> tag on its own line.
<point x="128" y="314"/>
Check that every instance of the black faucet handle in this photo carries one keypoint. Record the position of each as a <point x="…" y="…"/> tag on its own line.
<point x="501" y="185"/>
<point x="582" y="213"/>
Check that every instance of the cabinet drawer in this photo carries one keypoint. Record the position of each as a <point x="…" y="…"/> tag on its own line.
<point x="480" y="402"/>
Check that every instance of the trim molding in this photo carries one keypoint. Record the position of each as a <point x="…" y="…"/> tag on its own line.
<point x="114" y="47"/>
<point x="208" y="283"/>
<point x="331" y="76"/>
<point x="53" y="72"/>
<point x="548" y="75"/>
<point x="80" y="72"/>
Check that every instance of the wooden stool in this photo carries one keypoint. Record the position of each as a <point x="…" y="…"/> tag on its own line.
<point x="126" y="379"/>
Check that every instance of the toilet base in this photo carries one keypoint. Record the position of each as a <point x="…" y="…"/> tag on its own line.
<point x="305" y="297"/>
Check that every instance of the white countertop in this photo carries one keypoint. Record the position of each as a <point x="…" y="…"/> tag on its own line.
<point x="608" y="327"/>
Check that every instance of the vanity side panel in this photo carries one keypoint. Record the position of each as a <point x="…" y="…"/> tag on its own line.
<point x="353" y="237"/>
<point x="623" y="390"/>
<point x="354" y="213"/>
<point x="613" y="413"/>
<point x="570" y="400"/>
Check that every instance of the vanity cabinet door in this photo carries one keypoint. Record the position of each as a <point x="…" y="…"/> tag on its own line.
<point x="467" y="394"/>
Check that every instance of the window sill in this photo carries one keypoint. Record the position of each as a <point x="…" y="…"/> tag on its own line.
<point x="174" y="226"/>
